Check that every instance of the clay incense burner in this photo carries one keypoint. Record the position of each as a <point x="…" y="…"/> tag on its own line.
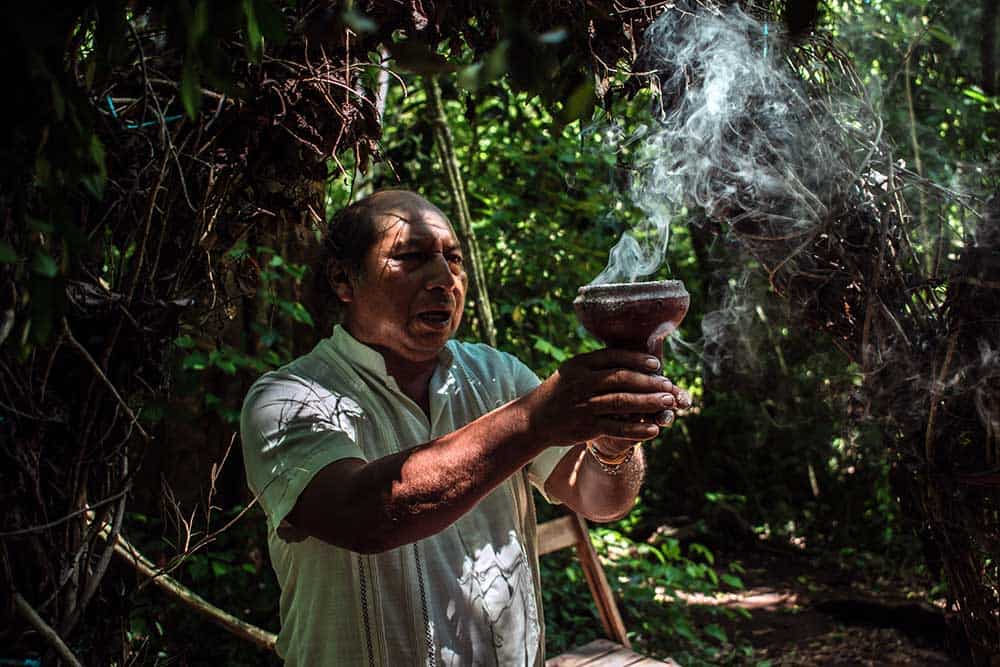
<point x="633" y="316"/>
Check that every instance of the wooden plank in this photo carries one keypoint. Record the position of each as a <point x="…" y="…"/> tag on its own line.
<point x="604" y="597"/>
<point x="650" y="662"/>
<point x="605" y="653"/>
<point x="584" y="654"/>
<point x="555" y="535"/>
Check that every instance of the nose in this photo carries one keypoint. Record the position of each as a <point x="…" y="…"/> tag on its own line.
<point x="440" y="274"/>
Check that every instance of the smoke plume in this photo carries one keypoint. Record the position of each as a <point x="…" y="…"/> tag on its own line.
<point x="732" y="134"/>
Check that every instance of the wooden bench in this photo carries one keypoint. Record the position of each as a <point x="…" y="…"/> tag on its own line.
<point x="616" y="650"/>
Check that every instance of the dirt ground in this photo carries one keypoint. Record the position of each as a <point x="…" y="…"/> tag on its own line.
<point x="803" y="613"/>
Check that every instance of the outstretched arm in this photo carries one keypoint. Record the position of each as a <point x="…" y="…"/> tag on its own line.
<point x="374" y="506"/>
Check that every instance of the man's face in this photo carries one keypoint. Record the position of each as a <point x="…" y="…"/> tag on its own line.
<point x="410" y="298"/>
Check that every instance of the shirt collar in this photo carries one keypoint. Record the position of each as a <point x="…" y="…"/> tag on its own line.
<point x="359" y="354"/>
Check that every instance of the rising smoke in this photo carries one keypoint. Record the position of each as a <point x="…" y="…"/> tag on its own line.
<point x="732" y="134"/>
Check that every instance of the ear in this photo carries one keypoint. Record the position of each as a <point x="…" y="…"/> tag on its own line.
<point x="340" y="281"/>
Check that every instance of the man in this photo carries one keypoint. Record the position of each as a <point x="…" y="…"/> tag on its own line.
<point x="393" y="463"/>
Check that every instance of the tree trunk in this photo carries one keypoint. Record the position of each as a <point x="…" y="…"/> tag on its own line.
<point x="463" y="221"/>
<point x="987" y="45"/>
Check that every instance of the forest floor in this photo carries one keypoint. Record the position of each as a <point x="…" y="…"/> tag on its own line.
<point x="804" y="612"/>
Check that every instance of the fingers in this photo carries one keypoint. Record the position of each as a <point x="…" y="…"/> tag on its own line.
<point x="622" y="403"/>
<point x="627" y="430"/>
<point x="613" y="370"/>
<point x="664" y="419"/>
<point x="606" y="381"/>
<point x="613" y="358"/>
<point x="683" y="398"/>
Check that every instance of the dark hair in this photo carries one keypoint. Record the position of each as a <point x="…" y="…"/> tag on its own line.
<point x="349" y="236"/>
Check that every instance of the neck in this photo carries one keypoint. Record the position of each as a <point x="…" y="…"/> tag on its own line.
<point x="413" y="377"/>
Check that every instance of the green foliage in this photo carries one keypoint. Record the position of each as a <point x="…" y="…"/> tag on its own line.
<point x="654" y="583"/>
<point x="771" y="443"/>
<point x="55" y="157"/>
<point x="266" y="345"/>
<point x="233" y="571"/>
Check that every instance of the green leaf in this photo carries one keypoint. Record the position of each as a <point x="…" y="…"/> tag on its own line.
<point x="7" y="254"/>
<point x="732" y="580"/>
<point x="44" y="265"/>
<point x="580" y="104"/>
<point x="358" y="22"/>
<point x="975" y="93"/>
<point x="297" y="312"/>
<point x="95" y="180"/>
<point x="546" y="347"/>
<point x="705" y="552"/>
<point x="238" y="250"/>
<point x="271" y="21"/>
<point x="195" y="362"/>
<point x="684" y="630"/>
<point x="716" y="633"/>
<point x="943" y="35"/>
<point x="469" y="77"/>
<point x="36" y="225"/>
<point x="184" y="342"/>
<point x="197" y="23"/>
<point x="190" y="88"/>
<point x="226" y="365"/>
<point x="255" y="40"/>
<point x="553" y="36"/>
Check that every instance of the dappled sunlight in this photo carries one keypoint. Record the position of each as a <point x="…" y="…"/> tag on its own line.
<point x="765" y="599"/>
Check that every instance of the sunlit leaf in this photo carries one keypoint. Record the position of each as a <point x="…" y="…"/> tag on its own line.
<point x="580" y="104"/>
<point x="716" y="633"/>
<point x="44" y="265"/>
<point x="255" y="40"/>
<point x="732" y="580"/>
<point x="184" y="342"/>
<point x="358" y="22"/>
<point x="553" y="36"/>
<point x="943" y="35"/>
<point x="190" y="89"/>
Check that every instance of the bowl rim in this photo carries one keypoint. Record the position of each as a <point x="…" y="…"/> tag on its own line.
<point x="654" y="289"/>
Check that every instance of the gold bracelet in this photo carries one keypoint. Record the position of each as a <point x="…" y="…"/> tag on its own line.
<point x="611" y="466"/>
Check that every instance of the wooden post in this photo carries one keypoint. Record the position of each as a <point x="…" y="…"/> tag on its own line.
<point x="604" y="598"/>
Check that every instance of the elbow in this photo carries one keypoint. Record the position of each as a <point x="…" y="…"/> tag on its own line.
<point x="606" y="517"/>
<point x="370" y="543"/>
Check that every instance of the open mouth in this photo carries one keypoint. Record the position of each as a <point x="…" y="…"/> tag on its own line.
<point x="435" y="318"/>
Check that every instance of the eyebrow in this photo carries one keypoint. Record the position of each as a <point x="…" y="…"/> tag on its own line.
<point x="418" y="243"/>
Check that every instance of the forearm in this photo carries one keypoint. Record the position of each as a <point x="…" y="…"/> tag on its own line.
<point x="583" y="486"/>
<point x="418" y="492"/>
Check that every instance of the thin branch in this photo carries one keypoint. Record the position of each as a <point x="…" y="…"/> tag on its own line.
<point x="97" y="369"/>
<point x="45" y="630"/>
<point x="246" y="631"/>
<point x="936" y="389"/>
<point x="64" y="519"/>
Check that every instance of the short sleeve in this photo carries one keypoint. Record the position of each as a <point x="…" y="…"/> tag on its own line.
<point x="291" y="428"/>
<point x="542" y="465"/>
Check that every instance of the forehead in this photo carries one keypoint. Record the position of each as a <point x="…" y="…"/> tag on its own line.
<point x="413" y="225"/>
